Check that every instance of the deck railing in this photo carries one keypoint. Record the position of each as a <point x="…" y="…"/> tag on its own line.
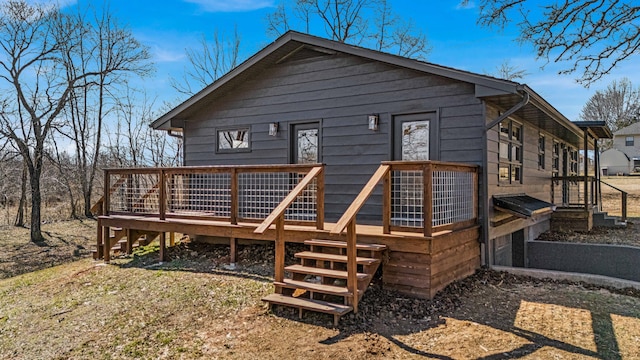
<point x="623" y="200"/>
<point x="225" y="193"/>
<point x="449" y="189"/>
<point x="573" y="191"/>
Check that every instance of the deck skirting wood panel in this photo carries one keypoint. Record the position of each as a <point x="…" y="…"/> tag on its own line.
<point x="453" y="256"/>
<point x="415" y="265"/>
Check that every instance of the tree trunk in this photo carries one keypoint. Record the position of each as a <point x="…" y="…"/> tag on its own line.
<point x="87" y="204"/>
<point x="36" y="203"/>
<point x="23" y="198"/>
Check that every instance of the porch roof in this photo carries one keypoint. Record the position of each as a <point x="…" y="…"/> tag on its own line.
<point x="597" y="129"/>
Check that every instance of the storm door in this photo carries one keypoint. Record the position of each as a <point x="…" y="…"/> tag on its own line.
<point x="412" y="137"/>
<point x="305" y="143"/>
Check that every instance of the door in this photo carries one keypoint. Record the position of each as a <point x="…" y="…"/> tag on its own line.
<point x="412" y="137"/>
<point x="305" y="143"/>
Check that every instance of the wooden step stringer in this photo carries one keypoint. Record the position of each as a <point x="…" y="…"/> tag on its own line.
<point x="319" y="283"/>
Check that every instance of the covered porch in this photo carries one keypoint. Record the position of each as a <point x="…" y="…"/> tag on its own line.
<point x="578" y="197"/>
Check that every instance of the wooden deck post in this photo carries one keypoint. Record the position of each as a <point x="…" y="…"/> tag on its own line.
<point x="234" y="197"/>
<point x="106" y="244"/>
<point x="99" y="238"/>
<point x="172" y="239"/>
<point x="279" y="261"/>
<point x="233" y="245"/>
<point x="163" y="194"/>
<point x="624" y="206"/>
<point x="163" y="243"/>
<point x="427" y="203"/>
<point x="129" y="248"/>
<point x="352" y="266"/>
<point x="386" y="203"/>
<point x="586" y="169"/>
<point x="320" y="201"/>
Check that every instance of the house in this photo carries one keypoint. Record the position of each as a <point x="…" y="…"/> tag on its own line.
<point x="491" y="157"/>
<point x="627" y="142"/>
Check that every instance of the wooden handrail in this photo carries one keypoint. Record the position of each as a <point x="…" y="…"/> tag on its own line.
<point x="288" y="200"/>
<point x="97" y="207"/>
<point x="623" y="199"/>
<point x="301" y="168"/>
<point x="359" y="201"/>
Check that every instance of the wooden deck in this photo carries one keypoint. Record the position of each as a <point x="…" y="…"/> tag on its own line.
<point x="421" y="248"/>
<point x="415" y="265"/>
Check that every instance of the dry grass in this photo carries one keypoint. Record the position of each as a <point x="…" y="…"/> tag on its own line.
<point x="192" y="308"/>
<point x="611" y="201"/>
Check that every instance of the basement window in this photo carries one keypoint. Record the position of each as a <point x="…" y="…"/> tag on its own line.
<point x="233" y="140"/>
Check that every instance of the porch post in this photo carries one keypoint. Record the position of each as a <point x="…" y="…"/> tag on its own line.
<point x="596" y="156"/>
<point x="585" y="170"/>
<point x="427" y="201"/>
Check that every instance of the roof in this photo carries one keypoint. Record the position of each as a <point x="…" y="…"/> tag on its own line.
<point x="598" y="129"/>
<point x="633" y="129"/>
<point x="503" y="93"/>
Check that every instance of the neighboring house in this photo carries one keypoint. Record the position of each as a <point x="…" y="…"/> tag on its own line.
<point x="615" y="162"/>
<point x="305" y="99"/>
<point x="627" y="140"/>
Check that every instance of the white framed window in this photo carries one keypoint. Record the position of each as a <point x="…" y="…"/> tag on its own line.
<point x="233" y="140"/>
<point x="628" y="141"/>
<point x="541" y="152"/>
<point x="511" y="139"/>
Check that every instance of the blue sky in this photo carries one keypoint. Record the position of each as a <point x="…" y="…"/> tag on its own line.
<point x="168" y="27"/>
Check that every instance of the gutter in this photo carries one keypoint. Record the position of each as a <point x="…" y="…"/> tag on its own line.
<point x="485" y="160"/>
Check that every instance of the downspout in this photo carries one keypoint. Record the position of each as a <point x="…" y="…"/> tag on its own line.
<point x="178" y="135"/>
<point x="485" y="177"/>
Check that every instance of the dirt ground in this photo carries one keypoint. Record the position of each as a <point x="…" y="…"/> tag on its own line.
<point x="194" y="306"/>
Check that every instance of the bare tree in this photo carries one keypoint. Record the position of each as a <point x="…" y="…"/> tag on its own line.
<point x="618" y="105"/>
<point x="350" y="21"/>
<point x="107" y="45"/>
<point x="38" y="46"/>
<point x="508" y="72"/>
<point x="132" y="142"/>
<point x="591" y="36"/>
<point x="208" y="62"/>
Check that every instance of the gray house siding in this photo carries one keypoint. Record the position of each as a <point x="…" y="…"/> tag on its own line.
<point x="536" y="182"/>
<point x="339" y="91"/>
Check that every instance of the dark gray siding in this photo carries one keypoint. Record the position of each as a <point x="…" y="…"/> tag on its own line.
<point x="339" y="91"/>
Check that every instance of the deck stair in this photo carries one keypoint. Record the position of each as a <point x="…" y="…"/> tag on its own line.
<point x="120" y="241"/>
<point x="318" y="283"/>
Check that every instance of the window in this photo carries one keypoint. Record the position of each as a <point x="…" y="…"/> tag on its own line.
<point x="573" y="162"/>
<point x="628" y="141"/>
<point x="555" y="159"/>
<point x="510" y="170"/>
<point x="541" y="145"/>
<point x="233" y="140"/>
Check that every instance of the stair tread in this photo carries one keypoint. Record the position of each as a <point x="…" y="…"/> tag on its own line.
<point x="338" y="274"/>
<point x="342" y="244"/>
<point x="308" y="304"/>
<point x="334" y="257"/>
<point x="325" y="289"/>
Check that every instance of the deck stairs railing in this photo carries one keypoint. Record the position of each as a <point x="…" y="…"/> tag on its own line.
<point x="623" y="200"/>
<point x="334" y="275"/>
<point x="580" y="192"/>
